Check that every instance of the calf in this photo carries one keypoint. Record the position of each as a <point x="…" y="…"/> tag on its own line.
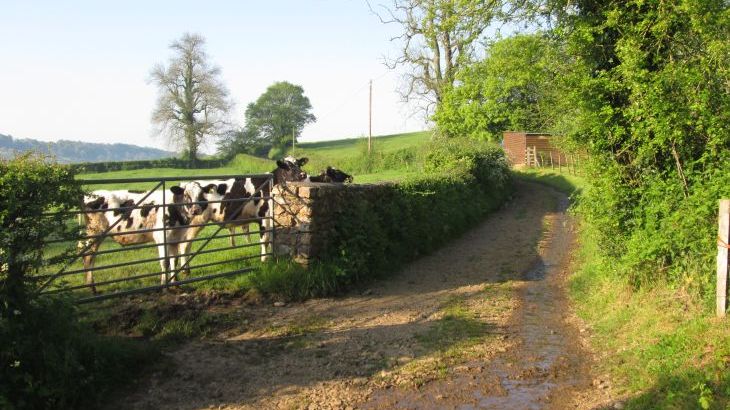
<point x="248" y="200"/>
<point x="141" y="219"/>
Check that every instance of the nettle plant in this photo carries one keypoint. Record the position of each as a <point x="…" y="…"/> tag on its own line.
<point x="30" y="186"/>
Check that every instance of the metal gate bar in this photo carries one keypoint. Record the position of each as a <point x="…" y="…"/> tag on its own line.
<point x="161" y="286"/>
<point x="171" y="274"/>
<point x="88" y="245"/>
<point x="148" y="275"/>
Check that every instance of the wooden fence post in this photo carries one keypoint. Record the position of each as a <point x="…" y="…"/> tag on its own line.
<point x="560" y="163"/>
<point x="723" y="232"/>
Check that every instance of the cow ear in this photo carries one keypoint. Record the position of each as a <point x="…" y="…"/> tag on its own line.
<point x="222" y="188"/>
<point x="176" y="190"/>
<point x="282" y="164"/>
<point x="208" y="187"/>
<point x="302" y="161"/>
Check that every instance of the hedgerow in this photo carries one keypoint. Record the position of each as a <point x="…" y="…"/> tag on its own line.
<point x="656" y="108"/>
<point x="371" y="232"/>
<point x="107" y="166"/>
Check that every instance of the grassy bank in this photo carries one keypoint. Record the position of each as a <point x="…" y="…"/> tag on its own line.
<point x="661" y="344"/>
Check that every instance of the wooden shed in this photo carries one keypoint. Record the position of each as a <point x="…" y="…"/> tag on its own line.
<point x="515" y="144"/>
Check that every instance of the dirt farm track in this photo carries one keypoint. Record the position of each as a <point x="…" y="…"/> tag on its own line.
<point x="482" y="323"/>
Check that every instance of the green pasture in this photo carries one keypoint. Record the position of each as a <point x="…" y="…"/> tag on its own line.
<point x="354" y="147"/>
<point x="393" y="157"/>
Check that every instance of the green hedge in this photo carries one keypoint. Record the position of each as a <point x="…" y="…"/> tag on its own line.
<point x="380" y="230"/>
<point x="373" y="231"/>
<point x="145" y="164"/>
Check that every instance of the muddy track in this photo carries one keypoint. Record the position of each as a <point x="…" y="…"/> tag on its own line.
<point x="482" y="323"/>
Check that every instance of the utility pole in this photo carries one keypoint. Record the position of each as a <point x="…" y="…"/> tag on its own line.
<point x="370" y="119"/>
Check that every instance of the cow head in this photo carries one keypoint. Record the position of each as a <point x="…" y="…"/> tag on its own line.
<point x="195" y="197"/>
<point x="289" y="169"/>
<point x="335" y="175"/>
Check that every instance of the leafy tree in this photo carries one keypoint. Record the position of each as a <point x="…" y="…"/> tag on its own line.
<point x="278" y="115"/>
<point x="193" y="103"/>
<point x="437" y="40"/>
<point x="245" y="140"/>
<point x="516" y="87"/>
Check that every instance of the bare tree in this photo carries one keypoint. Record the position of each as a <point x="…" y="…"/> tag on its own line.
<point x="193" y="104"/>
<point x="437" y="39"/>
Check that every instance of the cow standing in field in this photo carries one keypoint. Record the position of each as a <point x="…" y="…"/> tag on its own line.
<point x="137" y="218"/>
<point x="248" y="200"/>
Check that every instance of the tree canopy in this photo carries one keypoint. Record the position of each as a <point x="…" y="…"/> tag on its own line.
<point x="193" y="104"/>
<point x="279" y="115"/>
<point x="515" y="87"/>
<point x="436" y="41"/>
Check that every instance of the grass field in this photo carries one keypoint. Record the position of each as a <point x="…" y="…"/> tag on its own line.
<point x="393" y="158"/>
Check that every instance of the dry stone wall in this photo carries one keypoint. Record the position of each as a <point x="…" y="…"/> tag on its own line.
<point x="305" y="212"/>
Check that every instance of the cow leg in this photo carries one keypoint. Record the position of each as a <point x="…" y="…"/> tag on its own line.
<point x="172" y="252"/>
<point x="184" y="251"/>
<point x="232" y="230"/>
<point x="265" y="228"/>
<point x="245" y="228"/>
<point x="89" y="259"/>
<point x="164" y="263"/>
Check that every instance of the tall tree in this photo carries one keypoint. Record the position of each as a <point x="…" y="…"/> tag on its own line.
<point x="437" y="39"/>
<point x="279" y="114"/>
<point x="193" y="104"/>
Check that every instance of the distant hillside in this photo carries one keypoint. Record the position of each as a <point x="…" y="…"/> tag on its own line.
<point x="77" y="151"/>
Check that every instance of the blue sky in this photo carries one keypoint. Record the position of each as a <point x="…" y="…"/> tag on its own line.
<point x="78" y="69"/>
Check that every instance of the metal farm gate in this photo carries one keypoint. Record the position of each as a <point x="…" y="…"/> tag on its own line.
<point x="125" y="270"/>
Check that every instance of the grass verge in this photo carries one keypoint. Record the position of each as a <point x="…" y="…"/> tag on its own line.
<point x="662" y="349"/>
<point x="661" y="345"/>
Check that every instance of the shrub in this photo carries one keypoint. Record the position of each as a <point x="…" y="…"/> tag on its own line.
<point x="653" y="111"/>
<point x="29" y="186"/>
<point x="48" y="358"/>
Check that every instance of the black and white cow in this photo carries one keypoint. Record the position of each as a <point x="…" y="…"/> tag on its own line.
<point x="248" y="200"/>
<point x="186" y="205"/>
<point x="331" y="174"/>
